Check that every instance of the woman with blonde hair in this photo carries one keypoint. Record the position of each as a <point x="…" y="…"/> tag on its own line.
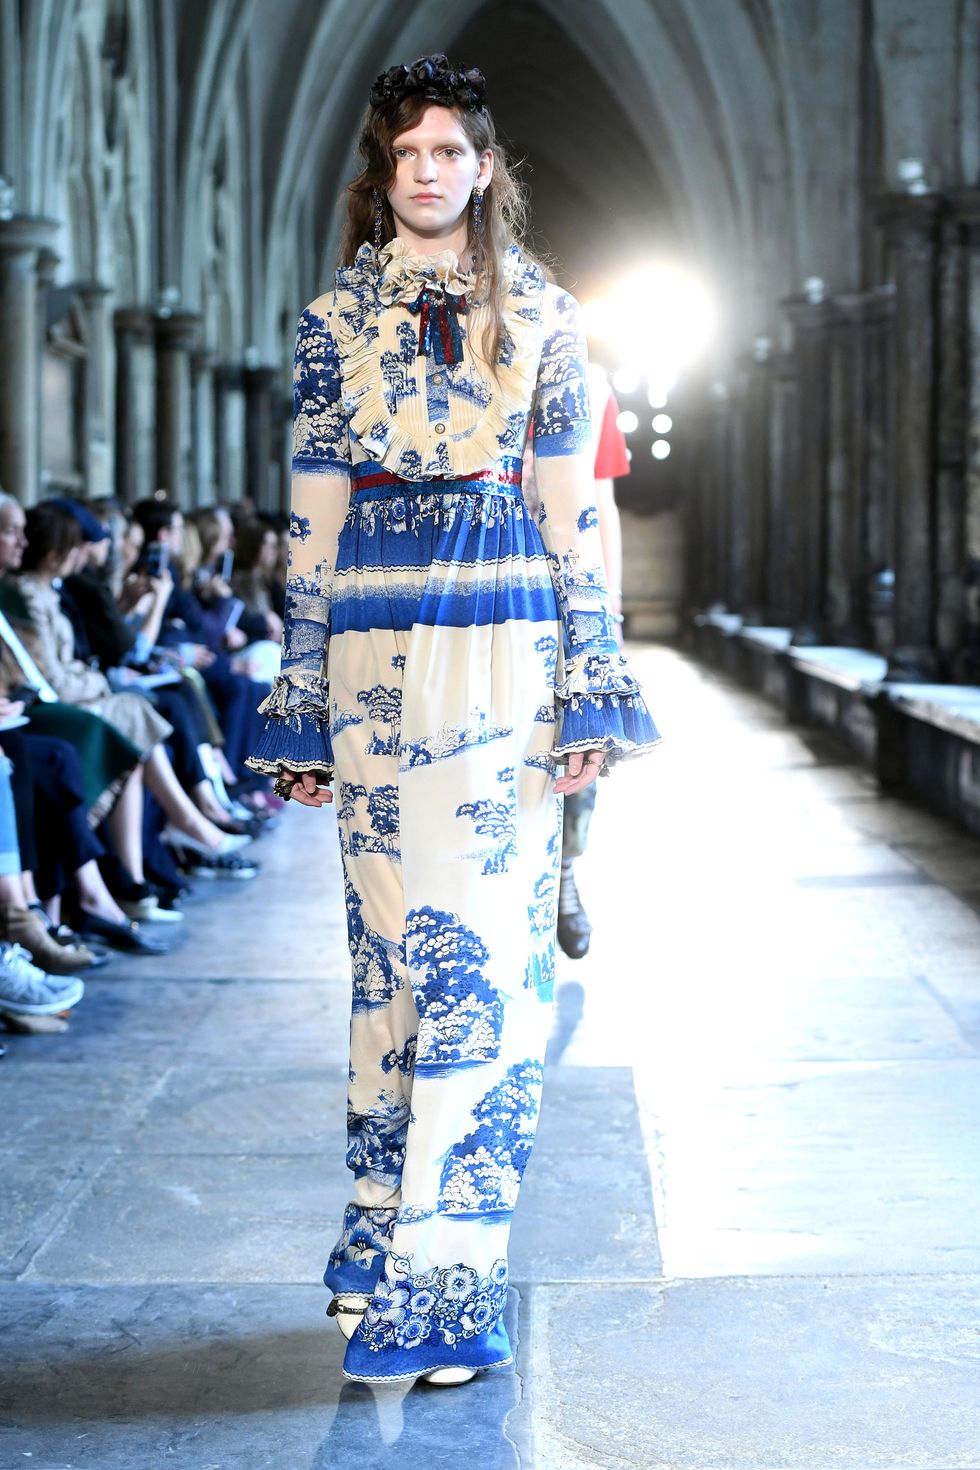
<point x="458" y="669"/>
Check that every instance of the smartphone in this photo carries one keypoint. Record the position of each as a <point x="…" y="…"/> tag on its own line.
<point x="154" y="559"/>
<point x="227" y="565"/>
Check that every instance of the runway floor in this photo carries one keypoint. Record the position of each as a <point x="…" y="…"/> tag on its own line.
<point x="749" y="1237"/>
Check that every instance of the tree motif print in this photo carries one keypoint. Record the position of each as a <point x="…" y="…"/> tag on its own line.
<point x="402" y="1061"/>
<point x="447" y="1304"/>
<point x="384" y="707"/>
<point x="482" y="1173"/>
<point x="365" y="1238"/>
<point x="373" y="958"/>
<point x="382" y="813"/>
<point x="542" y="910"/>
<point x="540" y="972"/>
<point x="319" y="420"/>
<point x="397" y="660"/>
<point x="376" y="1139"/>
<point x="299" y="527"/>
<point x="547" y="646"/>
<point x="451" y="740"/>
<point x="343" y="720"/>
<point x="588" y="517"/>
<point x="398" y="369"/>
<point x="496" y="820"/>
<point x="461" y="1016"/>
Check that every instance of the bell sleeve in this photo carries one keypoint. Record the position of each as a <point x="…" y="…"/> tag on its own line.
<point x="599" y="703"/>
<point x="297" y="727"/>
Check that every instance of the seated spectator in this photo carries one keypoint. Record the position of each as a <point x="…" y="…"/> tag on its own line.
<point x="52" y="540"/>
<point x="202" y="644"/>
<point x="257" y="550"/>
<point x="25" y="989"/>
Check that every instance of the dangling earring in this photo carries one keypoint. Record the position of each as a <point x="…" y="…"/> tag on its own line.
<point x="478" y="211"/>
<point x="379" y="217"/>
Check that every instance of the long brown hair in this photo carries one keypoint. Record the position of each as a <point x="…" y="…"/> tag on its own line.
<point x="504" y="203"/>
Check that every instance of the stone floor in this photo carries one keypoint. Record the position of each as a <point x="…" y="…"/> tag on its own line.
<point x="749" y="1238"/>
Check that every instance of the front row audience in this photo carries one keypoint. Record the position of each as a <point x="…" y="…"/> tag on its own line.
<point x="134" y="650"/>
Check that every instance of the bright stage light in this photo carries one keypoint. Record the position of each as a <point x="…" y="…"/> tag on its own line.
<point x="626" y="381"/>
<point x="660" y="449"/>
<point x="661" y="318"/>
<point x="662" y="423"/>
<point x="627" y="422"/>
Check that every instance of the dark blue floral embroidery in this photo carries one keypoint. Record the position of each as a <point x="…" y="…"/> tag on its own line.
<point x="299" y="527"/>
<point x="447" y="1304"/>
<point x="461" y="1016"/>
<point x="482" y="1173"/>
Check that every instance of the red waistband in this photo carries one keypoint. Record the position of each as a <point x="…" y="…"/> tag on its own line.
<point x="386" y="477"/>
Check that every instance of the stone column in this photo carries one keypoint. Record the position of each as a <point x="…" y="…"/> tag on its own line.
<point x="878" y="472"/>
<point x="846" y="570"/>
<point x="175" y="337"/>
<point x="720" y="459"/>
<point x="133" y="328"/>
<point x="22" y="239"/>
<point x="97" y="408"/>
<point x="755" y="471"/>
<point x="782" y="448"/>
<point x="809" y="319"/>
<point x="229" y="428"/>
<point x="911" y="225"/>
<point x="261" y="394"/>
<point x="967" y="206"/>
<point x="203" y="489"/>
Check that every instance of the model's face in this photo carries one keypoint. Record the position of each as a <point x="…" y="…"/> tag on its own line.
<point x="12" y="538"/>
<point x="436" y="171"/>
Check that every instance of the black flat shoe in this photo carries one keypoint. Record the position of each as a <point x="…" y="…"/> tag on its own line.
<point x="126" y="937"/>
<point x="574" y="926"/>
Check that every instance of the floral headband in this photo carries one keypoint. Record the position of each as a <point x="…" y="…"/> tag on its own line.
<point x="435" y="79"/>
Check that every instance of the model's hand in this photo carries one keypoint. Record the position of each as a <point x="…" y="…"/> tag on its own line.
<point x="306" y="791"/>
<point x="583" y="767"/>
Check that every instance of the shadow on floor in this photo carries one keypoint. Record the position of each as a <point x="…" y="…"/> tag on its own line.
<point x="250" y="1400"/>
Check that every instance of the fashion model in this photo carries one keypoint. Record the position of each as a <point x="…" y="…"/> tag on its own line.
<point x="451" y="667"/>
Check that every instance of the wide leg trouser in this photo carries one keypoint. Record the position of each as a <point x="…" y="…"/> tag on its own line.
<point x="450" y="835"/>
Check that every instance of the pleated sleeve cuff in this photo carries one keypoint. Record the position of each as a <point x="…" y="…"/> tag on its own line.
<point x="600" y="706"/>
<point x="297" y="729"/>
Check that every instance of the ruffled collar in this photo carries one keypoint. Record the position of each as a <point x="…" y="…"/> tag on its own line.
<point x="403" y="273"/>
<point x="397" y="273"/>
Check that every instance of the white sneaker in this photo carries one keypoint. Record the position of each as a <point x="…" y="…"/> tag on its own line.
<point x="27" y="991"/>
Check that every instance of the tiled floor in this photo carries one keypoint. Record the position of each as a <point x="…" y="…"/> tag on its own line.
<point x="749" y="1238"/>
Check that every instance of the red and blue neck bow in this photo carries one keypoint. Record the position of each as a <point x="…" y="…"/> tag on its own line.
<point x="440" y="335"/>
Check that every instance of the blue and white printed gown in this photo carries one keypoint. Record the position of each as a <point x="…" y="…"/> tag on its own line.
<point x="440" y="651"/>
